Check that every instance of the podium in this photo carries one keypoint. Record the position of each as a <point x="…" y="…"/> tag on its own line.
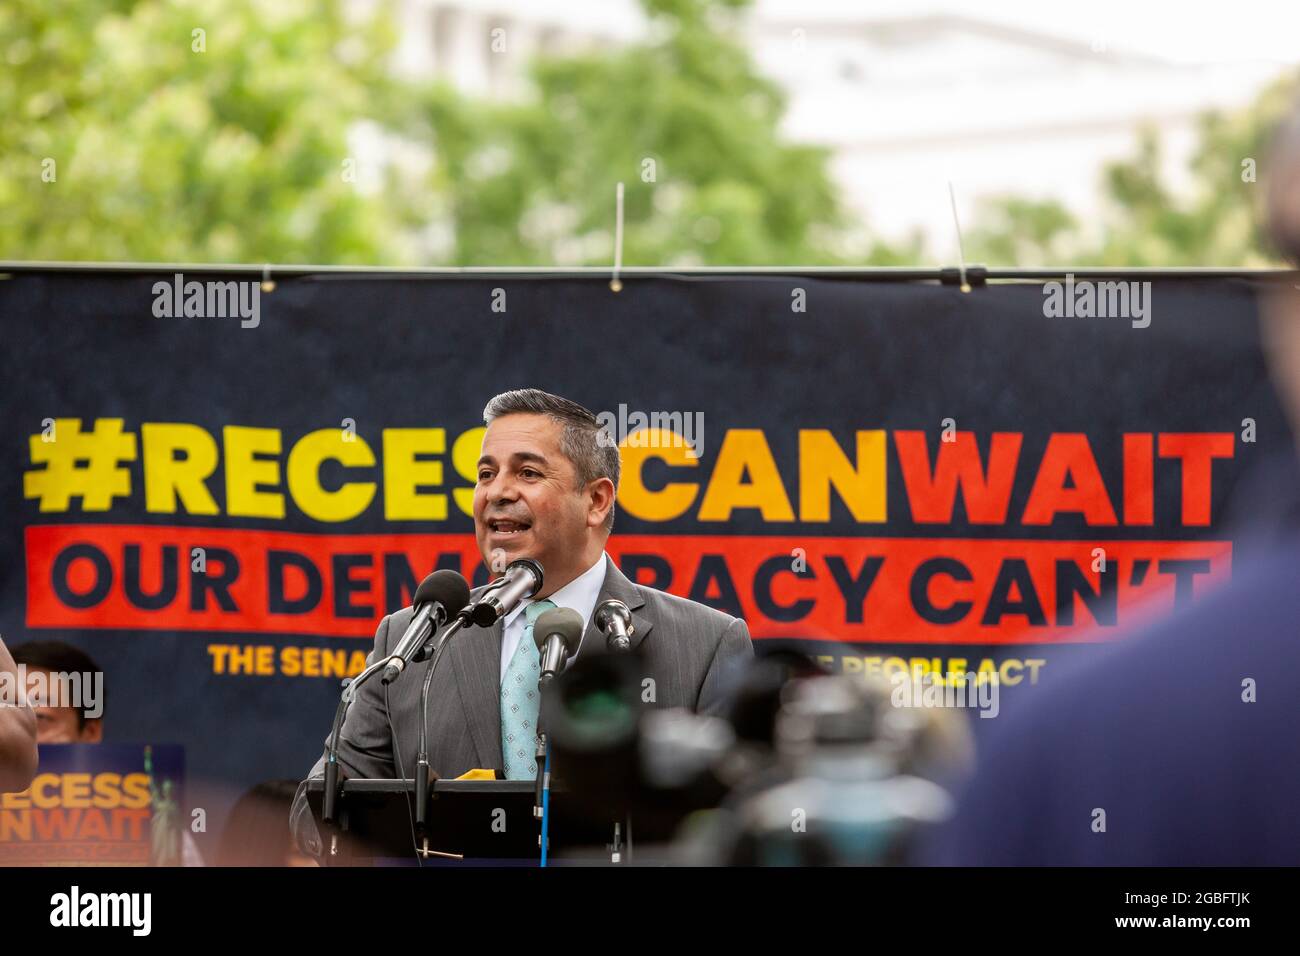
<point x="484" y="821"/>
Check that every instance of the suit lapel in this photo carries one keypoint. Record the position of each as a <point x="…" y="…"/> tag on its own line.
<point x="476" y="654"/>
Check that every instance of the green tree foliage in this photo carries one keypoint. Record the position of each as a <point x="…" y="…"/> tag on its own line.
<point x="171" y="145"/>
<point x="276" y="131"/>
<point x="1145" y="222"/>
<point x="1022" y="232"/>
<point x="683" y="120"/>
<point x="231" y="146"/>
<point x="1219" y="221"/>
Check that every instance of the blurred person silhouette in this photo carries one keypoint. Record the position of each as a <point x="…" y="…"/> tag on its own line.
<point x="257" y="832"/>
<point x="1178" y="745"/>
<point x="17" y="730"/>
<point x="59" y="722"/>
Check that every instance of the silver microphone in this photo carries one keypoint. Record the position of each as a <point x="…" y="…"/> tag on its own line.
<point x="615" y="622"/>
<point x="522" y="579"/>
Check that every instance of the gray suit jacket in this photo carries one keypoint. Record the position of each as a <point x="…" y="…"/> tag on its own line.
<point x="691" y="650"/>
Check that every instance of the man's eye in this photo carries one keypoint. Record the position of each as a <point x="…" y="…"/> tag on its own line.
<point x="484" y="475"/>
<point x="531" y="473"/>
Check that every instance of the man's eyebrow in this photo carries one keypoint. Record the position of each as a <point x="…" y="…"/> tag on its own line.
<point x="518" y="458"/>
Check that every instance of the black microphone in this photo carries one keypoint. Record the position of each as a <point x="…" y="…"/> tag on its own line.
<point x="557" y="633"/>
<point x="522" y="579"/>
<point x="615" y="622"/>
<point x="441" y="595"/>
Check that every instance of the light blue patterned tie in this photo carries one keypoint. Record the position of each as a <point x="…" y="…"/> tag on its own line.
<point x="520" y="700"/>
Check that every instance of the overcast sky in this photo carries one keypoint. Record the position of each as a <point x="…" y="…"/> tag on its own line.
<point x="1187" y="30"/>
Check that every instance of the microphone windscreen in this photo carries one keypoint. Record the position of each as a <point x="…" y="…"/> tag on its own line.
<point x="445" y="586"/>
<point x="609" y="609"/>
<point x="563" y="621"/>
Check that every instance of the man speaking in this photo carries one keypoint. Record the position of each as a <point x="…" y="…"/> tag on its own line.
<point x="546" y="487"/>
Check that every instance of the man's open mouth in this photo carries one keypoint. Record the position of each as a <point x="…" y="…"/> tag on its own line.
<point x="508" y="527"/>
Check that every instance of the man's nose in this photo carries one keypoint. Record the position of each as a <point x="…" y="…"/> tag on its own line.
<point x="502" y="489"/>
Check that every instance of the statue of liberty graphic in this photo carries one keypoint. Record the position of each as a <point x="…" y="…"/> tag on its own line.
<point x="164" y="826"/>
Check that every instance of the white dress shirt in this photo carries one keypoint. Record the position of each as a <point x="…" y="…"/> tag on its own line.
<point x="580" y="595"/>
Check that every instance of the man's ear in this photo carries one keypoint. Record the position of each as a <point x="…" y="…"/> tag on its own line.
<point x="601" y="499"/>
<point x="93" y="732"/>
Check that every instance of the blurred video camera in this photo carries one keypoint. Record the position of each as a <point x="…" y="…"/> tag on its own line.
<point x="806" y="769"/>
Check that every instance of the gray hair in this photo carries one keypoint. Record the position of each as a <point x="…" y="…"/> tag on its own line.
<point x="583" y="441"/>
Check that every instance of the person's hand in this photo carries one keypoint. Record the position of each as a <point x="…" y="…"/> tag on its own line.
<point x="17" y="729"/>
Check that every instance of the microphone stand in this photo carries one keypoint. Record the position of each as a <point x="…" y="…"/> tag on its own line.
<point x="539" y="757"/>
<point x="422" y="760"/>
<point x="463" y="619"/>
<point x="546" y="805"/>
<point x="329" y="798"/>
<point x="542" y="756"/>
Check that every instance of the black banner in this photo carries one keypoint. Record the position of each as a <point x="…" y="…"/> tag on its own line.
<point x="217" y="489"/>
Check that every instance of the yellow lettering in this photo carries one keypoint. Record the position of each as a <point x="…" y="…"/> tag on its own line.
<point x="404" y="474"/>
<point x="823" y="464"/>
<point x="895" y="664"/>
<point x="76" y="791"/>
<point x="40" y="785"/>
<point x="244" y="472"/>
<point x="675" y="497"/>
<point x="168" y="477"/>
<point x="465" y="453"/>
<point x="135" y="787"/>
<point x="745" y="451"/>
<point x="303" y="472"/>
<point x="108" y="790"/>
<point x="1004" y="673"/>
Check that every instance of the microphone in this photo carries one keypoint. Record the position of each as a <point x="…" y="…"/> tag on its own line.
<point x="615" y="622"/>
<point x="557" y="633"/>
<point x="442" y="594"/>
<point x="522" y="579"/>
